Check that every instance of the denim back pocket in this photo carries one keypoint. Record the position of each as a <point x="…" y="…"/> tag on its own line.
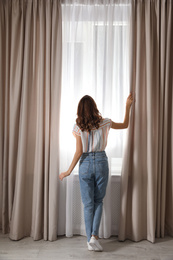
<point x="102" y="167"/>
<point x="84" y="167"/>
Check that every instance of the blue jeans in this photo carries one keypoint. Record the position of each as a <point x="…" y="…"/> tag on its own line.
<point x="93" y="177"/>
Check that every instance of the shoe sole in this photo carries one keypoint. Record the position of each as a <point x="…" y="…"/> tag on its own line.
<point x="95" y="247"/>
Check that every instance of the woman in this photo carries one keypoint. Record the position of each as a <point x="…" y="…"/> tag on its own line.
<point x="91" y="132"/>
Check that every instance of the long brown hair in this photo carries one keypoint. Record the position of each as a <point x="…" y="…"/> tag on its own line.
<point x="88" y="115"/>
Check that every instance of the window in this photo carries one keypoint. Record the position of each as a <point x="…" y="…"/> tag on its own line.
<point x="95" y="62"/>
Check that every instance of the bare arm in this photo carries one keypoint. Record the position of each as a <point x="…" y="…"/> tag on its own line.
<point x="126" y="118"/>
<point x="76" y="157"/>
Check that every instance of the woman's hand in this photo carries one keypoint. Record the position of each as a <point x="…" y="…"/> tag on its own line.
<point x="129" y="100"/>
<point x="63" y="175"/>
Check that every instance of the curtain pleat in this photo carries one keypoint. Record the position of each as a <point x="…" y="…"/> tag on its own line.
<point x="30" y="88"/>
<point x="165" y="225"/>
<point x="146" y="188"/>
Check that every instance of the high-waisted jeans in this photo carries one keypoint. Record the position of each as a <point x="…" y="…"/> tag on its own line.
<point x="93" y="177"/>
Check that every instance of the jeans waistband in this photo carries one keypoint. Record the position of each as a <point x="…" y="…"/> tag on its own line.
<point x="93" y="154"/>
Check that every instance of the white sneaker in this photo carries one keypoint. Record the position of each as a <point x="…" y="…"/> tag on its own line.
<point x="95" y="244"/>
<point x="90" y="248"/>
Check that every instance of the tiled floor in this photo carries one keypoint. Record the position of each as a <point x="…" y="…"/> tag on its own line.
<point x="75" y="248"/>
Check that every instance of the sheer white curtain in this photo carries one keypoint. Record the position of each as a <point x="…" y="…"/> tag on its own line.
<point x="95" y="62"/>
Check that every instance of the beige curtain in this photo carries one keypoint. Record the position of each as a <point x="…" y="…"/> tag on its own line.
<point x="147" y="175"/>
<point x="30" y="81"/>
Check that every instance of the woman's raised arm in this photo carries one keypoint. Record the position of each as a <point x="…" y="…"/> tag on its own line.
<point x="126" y="118"/>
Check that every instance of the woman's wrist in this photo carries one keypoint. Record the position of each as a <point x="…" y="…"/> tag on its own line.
<point x="128" y="106"/>
<point x="68" y="172"/>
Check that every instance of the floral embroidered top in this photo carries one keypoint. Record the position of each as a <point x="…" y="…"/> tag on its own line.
<point x="96" y="140"/>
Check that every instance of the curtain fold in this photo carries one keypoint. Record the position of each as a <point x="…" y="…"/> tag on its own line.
<point x="146" y="187"/>
<point x="165" y="204"/>
<point x="30" y="88"/>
